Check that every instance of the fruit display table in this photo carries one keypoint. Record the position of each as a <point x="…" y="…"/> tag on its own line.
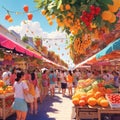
<point x="95" y="113"/>
<point x="6" y="101"/>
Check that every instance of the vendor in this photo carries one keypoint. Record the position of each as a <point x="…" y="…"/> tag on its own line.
<point x="6" y="76"/>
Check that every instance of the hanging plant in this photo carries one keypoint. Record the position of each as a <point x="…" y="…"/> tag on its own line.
<point x="25" y="39"/>
<point x="37" y="41"/>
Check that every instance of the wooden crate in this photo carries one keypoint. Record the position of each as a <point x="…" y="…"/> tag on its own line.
<point x="110" y="112"/>
<point x="86" y="113"/>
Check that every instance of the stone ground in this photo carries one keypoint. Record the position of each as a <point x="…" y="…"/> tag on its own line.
<point x="52" y="108"/>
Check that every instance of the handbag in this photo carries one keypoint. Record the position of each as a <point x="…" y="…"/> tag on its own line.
<point x="28" y="98"/>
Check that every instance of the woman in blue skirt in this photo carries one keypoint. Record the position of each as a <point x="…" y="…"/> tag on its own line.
<point x="19" y="104"/>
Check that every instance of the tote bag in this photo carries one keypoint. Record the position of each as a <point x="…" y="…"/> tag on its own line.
<point x="28" y="98"/>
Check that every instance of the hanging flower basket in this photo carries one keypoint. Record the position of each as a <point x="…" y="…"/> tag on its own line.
<point x="38" y="41"/>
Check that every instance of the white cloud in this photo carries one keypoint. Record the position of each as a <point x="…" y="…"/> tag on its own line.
<point x="55" y="41"/>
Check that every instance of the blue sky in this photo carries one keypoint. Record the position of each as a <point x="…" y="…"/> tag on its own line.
<point x="17" y="6"/>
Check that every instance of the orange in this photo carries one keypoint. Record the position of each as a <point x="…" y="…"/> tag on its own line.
<point x="98" y="94"/>
<point x="113" y="8"/>
<point x="107" y="15"/>
<point x="67" y="7"/>
<point x="53" y="16"/>
<point x="75" y="101"/>
<point x="92" y="101"/>
<point x="50" y="22"/>
<point x="84" y="97"/>
<point x="82" y="102"/>
<point x="99" y="99"/>
<point x="104" y="103"/>
<point x="90" y="94"/>
<point x="113" y="18"/>
<point x="43" y="12"/>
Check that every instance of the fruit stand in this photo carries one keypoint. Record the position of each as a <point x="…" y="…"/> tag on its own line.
<point x="94" y="98"/>
<point x="96" y="113"/>
<point x="6" y="101"/>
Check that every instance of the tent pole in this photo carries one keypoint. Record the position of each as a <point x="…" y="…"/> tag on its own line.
<point x="101" y="69"/>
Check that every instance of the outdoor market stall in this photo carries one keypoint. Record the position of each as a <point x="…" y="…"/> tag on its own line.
<point x="109" y="53"/>
<point x="109" y="107"/>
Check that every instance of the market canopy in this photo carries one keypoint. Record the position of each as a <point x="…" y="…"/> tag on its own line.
<point x="110" y="48"/>
<point x="110" y="52"/>
<point x="12" y="45"/>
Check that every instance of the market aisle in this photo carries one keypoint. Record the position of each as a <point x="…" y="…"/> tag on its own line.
<point x="52" y="108"/>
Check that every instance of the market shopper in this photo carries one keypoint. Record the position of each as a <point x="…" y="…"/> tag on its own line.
<point x="45" y="83"/>
<point x="58" y="80"/>
<point x="75" y="80"/>
<point x="52" y="83"/>
<point x="6" y="76"/>
<point x="19" y="104"/>
<point x="70" y="82"/>
<point x="116" y="79"/>
<point x="63" y="82"/>
<point x="39" y="77"/>
<point x="34" y="105"/>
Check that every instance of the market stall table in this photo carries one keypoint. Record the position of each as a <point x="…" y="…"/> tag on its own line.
<point x="95" y="113"/>
<point x="6" y="101"/>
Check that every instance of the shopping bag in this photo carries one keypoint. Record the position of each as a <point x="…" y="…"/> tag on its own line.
<point x="28" y="98"/>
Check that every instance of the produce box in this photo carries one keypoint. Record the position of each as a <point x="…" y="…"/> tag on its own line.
<point x="114" y="100"/>
<point x="87" y="113"/>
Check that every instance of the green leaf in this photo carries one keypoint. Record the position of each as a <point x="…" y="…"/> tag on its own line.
<point x="83" y="7"/>
<point x="73" y="2"/>
<point x="92" y="2"/>
<point x="45" y="2"/>
<point x="73" y="9"/>
<point x="36" y="0"/>
<point x="59" y="4"/>
<point x="105" y="2"/>
<point x="51" y="5"/>
<point x="108" y="2"/>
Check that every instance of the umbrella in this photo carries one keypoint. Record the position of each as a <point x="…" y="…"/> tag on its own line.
<point x="110" y="48"/>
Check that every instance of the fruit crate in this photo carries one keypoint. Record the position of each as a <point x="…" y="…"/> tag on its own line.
<point x="108" y="113"/>
<point x="86" y="113"/>
<point x="114" y="100"/>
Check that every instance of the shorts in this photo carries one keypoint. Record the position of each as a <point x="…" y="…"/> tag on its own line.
<point x="20" y="104"/>
<point x="52" y="86"/>
<point x="63" y="85"/>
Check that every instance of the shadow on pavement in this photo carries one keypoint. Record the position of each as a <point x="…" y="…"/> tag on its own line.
<point x="43" y="109"/>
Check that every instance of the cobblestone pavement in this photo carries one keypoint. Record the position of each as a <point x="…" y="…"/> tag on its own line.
<point x="52" y="108"/>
